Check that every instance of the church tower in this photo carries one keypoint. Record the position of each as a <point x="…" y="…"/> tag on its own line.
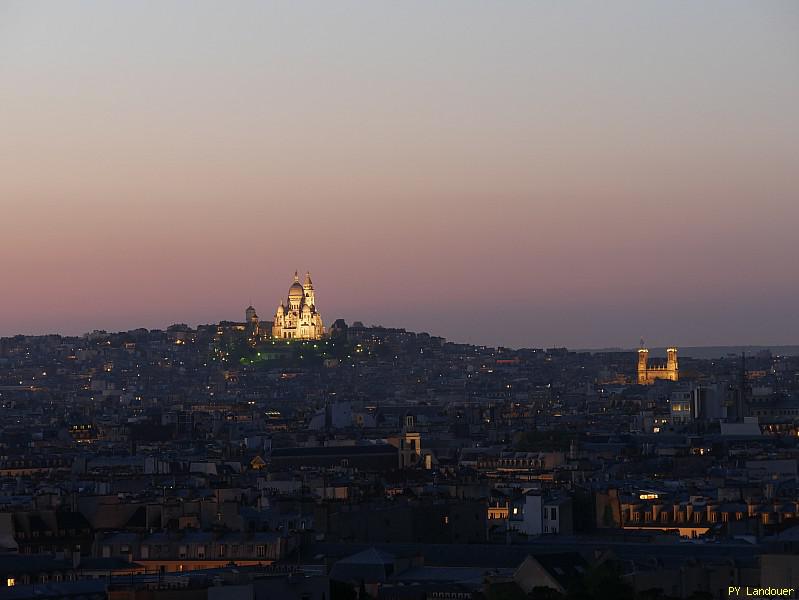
<point x="307" y="287"/>
<point x="643" y="359"/>
<point x="671" y="362"/>
<point x="251" y="321"/>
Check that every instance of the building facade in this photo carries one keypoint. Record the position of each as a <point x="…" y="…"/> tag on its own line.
<point x="298" y="318"/>
<point x="648" y="373"/>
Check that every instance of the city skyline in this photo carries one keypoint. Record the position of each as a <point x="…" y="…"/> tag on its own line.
<point x="320" y="300"/>
<point x="524" y="175"/>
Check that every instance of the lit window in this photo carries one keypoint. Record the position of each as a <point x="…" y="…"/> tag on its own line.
<point x="11" y="582"/>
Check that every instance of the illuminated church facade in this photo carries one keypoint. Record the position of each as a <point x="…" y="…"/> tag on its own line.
<point x="297" y="318"/>
<point x="648" y="373"/>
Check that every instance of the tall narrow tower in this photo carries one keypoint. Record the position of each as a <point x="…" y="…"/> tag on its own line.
<point x="251" y="320"/>
<point x="671" y="364"/>
<point x="643" y="359"/>
<point x="307" y="288"/>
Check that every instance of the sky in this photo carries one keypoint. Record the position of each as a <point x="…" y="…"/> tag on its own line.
<point x="530" y="173"/>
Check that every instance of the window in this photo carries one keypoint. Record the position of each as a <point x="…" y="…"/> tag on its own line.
<point x="200" y="551"/>
<point x="260" y="551"/>
<point x="11" y="582"/>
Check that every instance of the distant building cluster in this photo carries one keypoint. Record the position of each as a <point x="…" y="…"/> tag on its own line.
<point x="265" y="460"/>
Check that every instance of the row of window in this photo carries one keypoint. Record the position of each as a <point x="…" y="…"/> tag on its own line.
<point x="517" y="462"/>
<point x="667" y="517"/>
<point x="42" y="578"/>
<point x="48" y="533"/>
<point x="165" y="551"/>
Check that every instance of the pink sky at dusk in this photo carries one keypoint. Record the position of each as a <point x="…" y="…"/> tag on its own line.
<point x="519" y="173"/>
